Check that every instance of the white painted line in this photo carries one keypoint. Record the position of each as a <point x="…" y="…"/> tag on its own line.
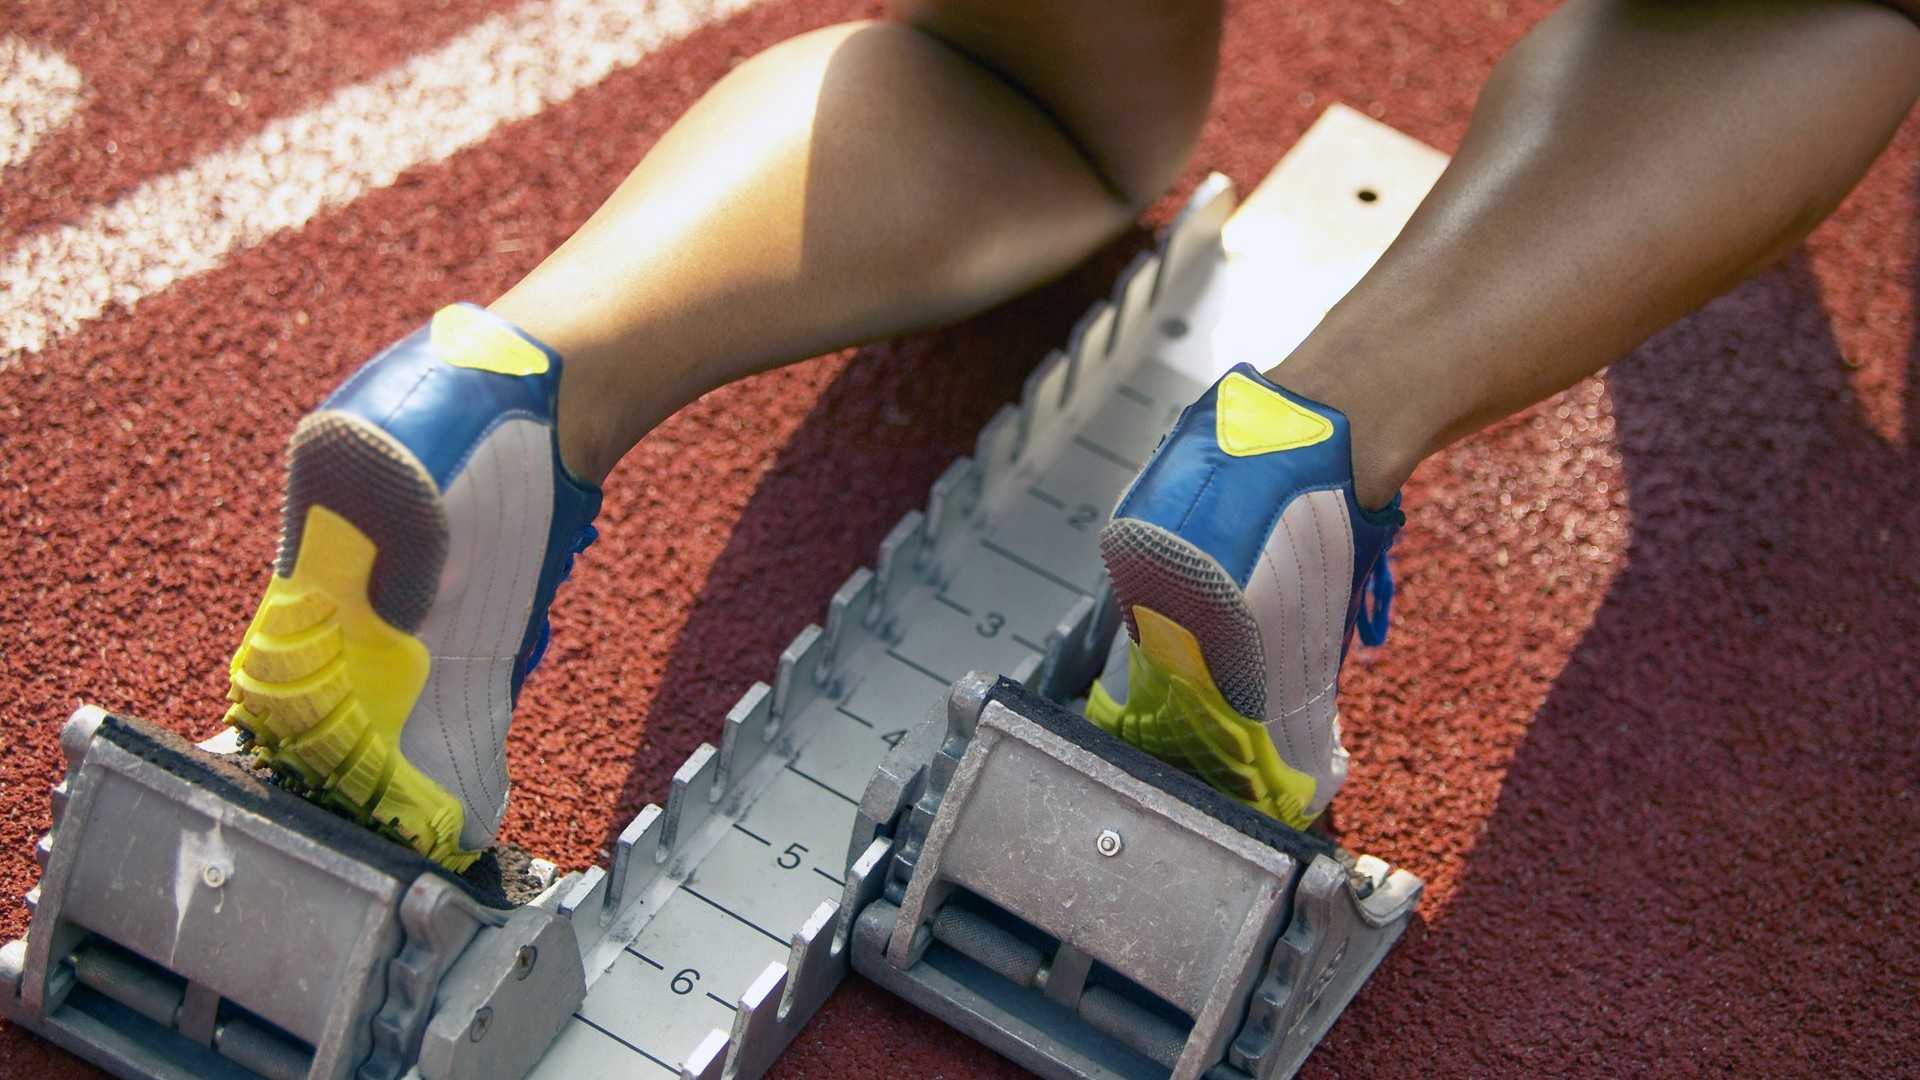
<point x="39" y="91"/>
<point x="507" y="68"/>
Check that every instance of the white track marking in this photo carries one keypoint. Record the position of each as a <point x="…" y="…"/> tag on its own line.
<point x="507" y="68"/>
<point x="39" y="91"/>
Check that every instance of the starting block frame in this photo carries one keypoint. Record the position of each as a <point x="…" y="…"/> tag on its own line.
<point x="726" y="917"/>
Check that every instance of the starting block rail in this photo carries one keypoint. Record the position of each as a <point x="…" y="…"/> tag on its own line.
<point x="840" y="819"/>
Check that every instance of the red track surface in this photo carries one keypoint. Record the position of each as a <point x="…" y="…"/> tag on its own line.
<point x="1647" y="725"/>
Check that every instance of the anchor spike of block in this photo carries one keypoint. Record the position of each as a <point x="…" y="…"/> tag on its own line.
<point x="633" y="858"/>
<point x="897" y="568"/>
<point x="1133" y="299"/>
<point x="950" y="504"/>
<point x="745" y="735"/>
<point x="1194" y="236"/>
<point x="800" y="676"/>
<point x="996" y="450"/>
<point x="847" y="622"/>
<point x="688" y="804"/>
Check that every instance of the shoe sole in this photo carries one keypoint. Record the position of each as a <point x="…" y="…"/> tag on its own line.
<point x="329" y="667"/>
<point x="1197" y="673"/>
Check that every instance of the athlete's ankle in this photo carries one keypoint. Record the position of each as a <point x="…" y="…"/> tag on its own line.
<point x="588" y="450"/>
<point x="1381" y="462"/>
<point x="1377" y="475"/>
<point x="584" y="452"/>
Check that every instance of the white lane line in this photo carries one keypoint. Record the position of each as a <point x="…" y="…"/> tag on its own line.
<point x="39" y="91"/>
<point x="507" y="68"/>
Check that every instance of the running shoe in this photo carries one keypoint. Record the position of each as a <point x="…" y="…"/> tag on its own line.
<point x="428" y="522"/>
<point x="1243" y="565"/>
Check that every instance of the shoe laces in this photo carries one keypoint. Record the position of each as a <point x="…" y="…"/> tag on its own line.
<point x="582" y="538"/>
<point x="1376" y="599"/>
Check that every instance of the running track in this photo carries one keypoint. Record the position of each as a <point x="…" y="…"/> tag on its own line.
<point x="1647" y="726"/>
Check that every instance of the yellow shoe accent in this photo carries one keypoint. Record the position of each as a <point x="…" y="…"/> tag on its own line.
<point x="464" y="337"/>
<point x="324" y="685"/>
<point x="1174" y="712"/>
<point x="1250" y="419"/>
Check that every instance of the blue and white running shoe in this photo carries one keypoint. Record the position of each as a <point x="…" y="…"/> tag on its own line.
<point x="1243" y="564"/>
<point x="429" y="521"/>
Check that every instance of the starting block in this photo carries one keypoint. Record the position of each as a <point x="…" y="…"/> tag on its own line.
<point x="1090" y="912"/>
<point x="962" y="839"/>
<point x="194" y="920"/>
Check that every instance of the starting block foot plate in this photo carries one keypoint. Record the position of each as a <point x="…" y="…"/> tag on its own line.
<point x="1094" y="914"/>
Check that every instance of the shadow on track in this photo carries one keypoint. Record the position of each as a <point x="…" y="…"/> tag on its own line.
<point x="1704" y="854"/>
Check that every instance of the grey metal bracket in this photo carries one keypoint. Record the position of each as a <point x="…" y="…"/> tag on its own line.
<point x="1092" y="914"/>
<point x="194" y="921"/>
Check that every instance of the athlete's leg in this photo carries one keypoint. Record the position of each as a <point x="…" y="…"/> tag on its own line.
<point x="849" y="184"/>
<point x="861" y="181"/>
<point x="1628" y="161"/>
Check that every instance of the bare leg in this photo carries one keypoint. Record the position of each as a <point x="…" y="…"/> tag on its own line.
<point x="1628" y="161"/>
<point x="860" y="181"/>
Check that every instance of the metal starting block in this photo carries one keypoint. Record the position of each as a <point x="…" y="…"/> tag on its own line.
<point x="195" y="921"/>
<point x="1011" y="869"/>
<point x="1092" y="913"/>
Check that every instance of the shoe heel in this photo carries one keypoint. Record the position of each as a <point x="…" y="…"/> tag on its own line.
<point x="347" y="464"/>
<point x="1196" y="645"/>
<point x="324" y="678"/>
<point x="1155" y="568"/>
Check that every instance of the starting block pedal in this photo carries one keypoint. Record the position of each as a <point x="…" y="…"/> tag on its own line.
<point x="1009" y="868"/>
<point x="194" y="920"/>
<point x="1094" y="914"/>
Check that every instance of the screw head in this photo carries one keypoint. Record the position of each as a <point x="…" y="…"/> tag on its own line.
<point x="482" y="1020"/>
<point x="214" y="875"/>
<point x="1108" y="843"/>
<point x="523" y="961"/>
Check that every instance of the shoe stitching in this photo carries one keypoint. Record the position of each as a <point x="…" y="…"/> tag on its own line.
<point x="520" y="568"/>
<point x="1287" y="497"/>
<point x="1194" y="503"/>
<point x="461" y="693"/>
<point x="426" y="374"/>
<point x="496" y="515"/>
<point x="1336" y="614"/>
<point x="1288" y="752"/>
<point x="1319" y="646"/>
<point x="1300" y="580"/>
<point x="479" y="440"/>
<point x="1305" y="705"/>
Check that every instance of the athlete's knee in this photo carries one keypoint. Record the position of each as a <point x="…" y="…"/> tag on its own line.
<point x="1127" y="81"/>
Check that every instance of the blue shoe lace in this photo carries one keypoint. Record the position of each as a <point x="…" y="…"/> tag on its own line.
<point x="582" y="538"/>
<point x="1376" y="600"/>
